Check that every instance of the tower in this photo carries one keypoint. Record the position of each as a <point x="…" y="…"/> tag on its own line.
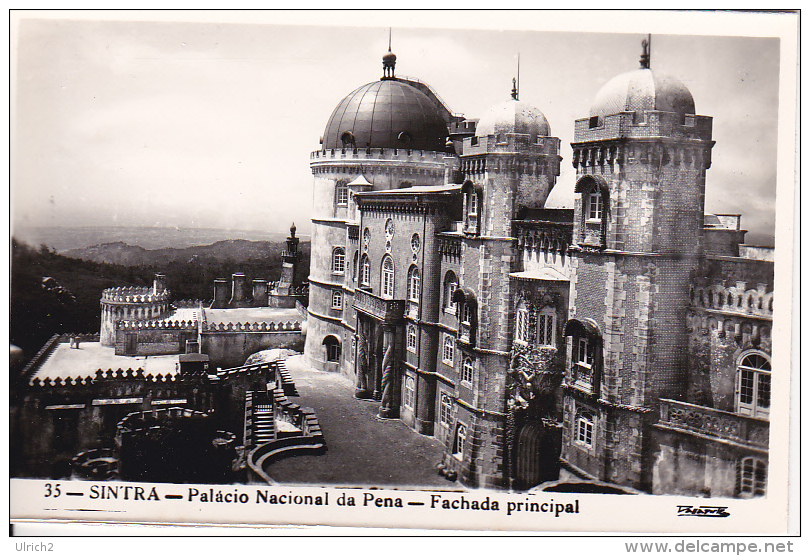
<point x="509" y="165"/>
<point x="641" y="159"/>
<point x="385" y="135"/>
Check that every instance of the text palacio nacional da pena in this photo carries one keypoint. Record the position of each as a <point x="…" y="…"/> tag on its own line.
<point x="624" y="341"/>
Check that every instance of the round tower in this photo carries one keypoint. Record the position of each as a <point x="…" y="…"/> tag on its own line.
<point x="641" y="158"/>
<point x="132" y="303"/>
<point x="387" y="134"/>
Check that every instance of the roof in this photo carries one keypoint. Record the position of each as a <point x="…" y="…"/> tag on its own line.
<point x="546" y="274"/>
<point x="68" y="362"/>
<point x="390" y="113"/>
<point x="415" y="190"/>
<point x="641" y="90"/>
<point x="513" y="116"/>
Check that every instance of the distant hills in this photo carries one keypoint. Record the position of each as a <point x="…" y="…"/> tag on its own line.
<point x="65" y="238"/>
<point x="122" y="253"/>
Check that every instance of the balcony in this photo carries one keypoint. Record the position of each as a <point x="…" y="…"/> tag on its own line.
<point x="708" y="422"/>
<point x="389" y="311"/>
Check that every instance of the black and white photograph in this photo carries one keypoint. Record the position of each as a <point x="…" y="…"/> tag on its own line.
<point x="474" y="271"/>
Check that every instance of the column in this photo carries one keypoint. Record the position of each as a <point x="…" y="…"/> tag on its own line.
<point x="361" y="390"/>
<point x="389" y="408"/>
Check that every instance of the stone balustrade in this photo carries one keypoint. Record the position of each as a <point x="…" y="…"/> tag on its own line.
<point x="390" y="311"/>
<point x="737" y="299"/>
<point x="133" y="294"/>
<point x="690" y="418"/>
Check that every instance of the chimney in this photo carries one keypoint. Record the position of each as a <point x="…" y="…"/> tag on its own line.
<point x="220" y="294"/>
<point x="260" y="293"/>
<point x="238" y="291"/>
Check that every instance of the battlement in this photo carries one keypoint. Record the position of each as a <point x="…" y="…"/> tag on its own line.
<point x="376" y="155"/>
<point x="251" y="327"/>
<point x="101" y="376"/>
<point x="133" y="294"/>
<point x="191" y="303"/>
<point x="510" y="143"/>
<point x="157" y="325"/>
<point x="737" y="299"/>
<point x="651" y="123"/>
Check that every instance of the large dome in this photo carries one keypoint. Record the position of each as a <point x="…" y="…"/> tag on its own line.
<point x="513" y="116"/>
<point x="387" y="114"/>
<point x="642" y="90"/>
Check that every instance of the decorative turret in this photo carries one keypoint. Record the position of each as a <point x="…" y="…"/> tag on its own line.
<point x="389" y="61"/>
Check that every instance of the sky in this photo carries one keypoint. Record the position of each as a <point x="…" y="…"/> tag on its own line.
<point x="211" y="124"/>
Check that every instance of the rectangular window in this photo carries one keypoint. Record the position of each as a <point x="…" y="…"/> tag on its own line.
<point x="337" y="299"/>
<point x="585" y="429"/>
<point x="409" y="395"/>
<point x="595" y="206"/>
<point x="411" y="338"/>
<point x="545" y="329"/>
<point x="448" y="349"/>
<point x="522" y="326"/>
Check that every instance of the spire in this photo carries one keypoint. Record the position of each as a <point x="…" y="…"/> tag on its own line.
<point x="514" y="89"/>
<point x="645" y="52"/>
<point x="389" y="60"/>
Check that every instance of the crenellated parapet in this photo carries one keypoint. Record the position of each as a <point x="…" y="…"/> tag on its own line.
<point x="545" y="236"/>
<point x="114" y="377"/>
<point x="736" y="300"/>
<point x="133" y="294"/>
<point x="251" y="327"/>
<point x="649" y="124"/>
<point x="157" y="325"/>
<point x="191" y="303"/>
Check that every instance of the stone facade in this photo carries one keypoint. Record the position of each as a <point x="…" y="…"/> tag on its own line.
<point x="624" y="341"/>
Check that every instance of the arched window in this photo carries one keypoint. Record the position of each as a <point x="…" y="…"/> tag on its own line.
<point x="754" y="385"/>
<point x="341" y="193"/>
<point x="338" y="260"/>
<point x="445" y="410"/>
<point x="584" y="431"/>
<point x="387" y="278"/>
<point x="752" y="477"/>
<point x="594" y="197"/>
<point x="448" y="349"/>
<point x="522" y="323"/>
<point x="461" y="440"/>
<point x="467" y="370"/>
<point x="413" y="284"/>
<point x="409" y="393"/>
<point x="337" y="299"/>
<point x="332" y="349"/>
<point x="411" y="337"/>
<point x="365" y="271"/>
<point x="450" y="285"/>
<point x="546" y="326"/>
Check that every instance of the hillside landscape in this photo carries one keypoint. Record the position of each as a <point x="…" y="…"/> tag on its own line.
<point x="55" y="293"/>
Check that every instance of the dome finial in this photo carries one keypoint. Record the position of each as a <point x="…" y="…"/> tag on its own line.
<point x="514" y="89"/>
<point x="389" y="60"/>
<point x="645" y="52"/>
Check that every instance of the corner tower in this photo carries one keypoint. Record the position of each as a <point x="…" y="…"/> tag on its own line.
<point x="388" y="134"/>
<point x="510" y="164"/>
<point x="641" y="159"/>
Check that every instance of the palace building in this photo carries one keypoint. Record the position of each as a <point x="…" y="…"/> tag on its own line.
<point x="626" y="341"/>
